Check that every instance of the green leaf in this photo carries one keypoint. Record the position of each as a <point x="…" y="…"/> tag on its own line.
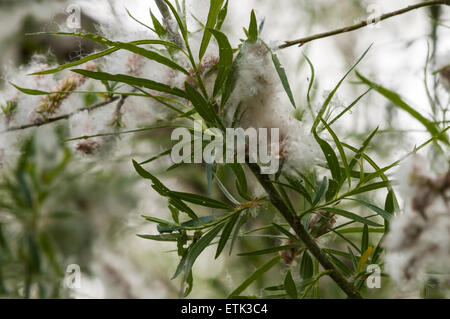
<point x="130" y="80"/>
<point x="160" y="188"/>
<point x="400" y="103"/>
<point x="353" y="258"/>
<point x="306" y="266"/>
<point x="200" y="200"/>
<point x="270" y="250"/>
<point x="175" y="214"/>
<point x="340" y="149"/>
<point x="330" y="156"/>
<point x="343" y="267"/>
<point x="351" y="216"/>
<point x="184" y="31"/>
<point x="202" y="243"/>
<point x="365" y="238"/>
<point x="320" y="192"/>
<point x="214" y="9"/>
<point x="226" y="234"/>
<point x="242" y="220"/>
<point x="362" y="149"/>
<point x="182" y="206"/>
<point x="221" y="17"/>
<point x="203" y="221"/>
<point x="138" y="21"/>
<point x="159" y="221"/>
<point x="129" y="46"/>
<point x="195" y="251"/>
<point x="285" y="197"/>
<point x="241" y="180"/>
<point x="226" y="192"/>
<point x="389" y="205"/>
<point x="34" y="257"/>
<point x="353" y="230"/>
<point x="311" y="82"/>
<point x="368" y="188"/>
<point x="253" y="28"/>
<point x="190" y="284"/>
<point x="159" y="29"/>
<point x="333" y="188"/>
<point x="203" y="108"/>
<point x="258" y="273"/>
<point x="164" y="237"/>
<point x="283" y="77"/>
<point x="333" y="92"/>
<point x="164" y="191"/>
<point x="298" y="187"/>
<point x="289" y="285"/>
<point x="230" y="84"/>
<point x="285" y="232"/>
<point x="386" y="215"/>
<point x="29" y="91"/>
<point x="275" y="288"/>
<point x="47" y="248"/>
<point x="225" y="60"/>
<point x="348" y="108"/>
<point x="101" y="54"/>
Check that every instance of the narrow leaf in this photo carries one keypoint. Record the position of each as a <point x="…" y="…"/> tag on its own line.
<point x="258" y="273"/>
<point x="351" y="216"/>
<point x="289" y="285"/>
<point x="134" y="81"/>
<point x="283" y="77"/>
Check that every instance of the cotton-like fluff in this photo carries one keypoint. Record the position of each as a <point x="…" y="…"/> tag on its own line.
<point x="50" y="104"/>
<point x="257" y="91"/>
<point x="88" y="124"/>
<point x="25" y="103"/>
<point x="5" y="149"/>
<point x="419" y="238"/>
<point x="299" y="147"/>
<point x="49" y="152"/>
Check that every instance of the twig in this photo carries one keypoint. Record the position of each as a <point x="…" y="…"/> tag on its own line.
<point x="169" y="23"/>
<point x="362" y="24"/>
<point x="295" y="222"/>
<point x="118" y="111"/>
<point x="61" y="117"/>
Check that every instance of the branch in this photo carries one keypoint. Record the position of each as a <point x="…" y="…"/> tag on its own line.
<point x="362" y="24"/>
<point x="301" y="232"/>
<point x="169" y="23"/>
<point x="61" y="117"/>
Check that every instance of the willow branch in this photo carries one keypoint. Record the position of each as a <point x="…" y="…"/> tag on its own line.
<point x="61" y="117"/>
<point x="362" y="24"/>
<point x="295" y="222"/>
<point x="169" y="23"/>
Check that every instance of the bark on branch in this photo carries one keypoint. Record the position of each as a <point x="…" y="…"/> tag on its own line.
<point x="301" y="232"/>
<point x="61" y="117"/>
<point x="362" y="24"/>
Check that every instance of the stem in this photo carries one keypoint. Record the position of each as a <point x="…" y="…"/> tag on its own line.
<point x="169" y="23"/>
<point x="362" y="24"/>
<point x="61" y="117"/>
<point x="295" y="222"/>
